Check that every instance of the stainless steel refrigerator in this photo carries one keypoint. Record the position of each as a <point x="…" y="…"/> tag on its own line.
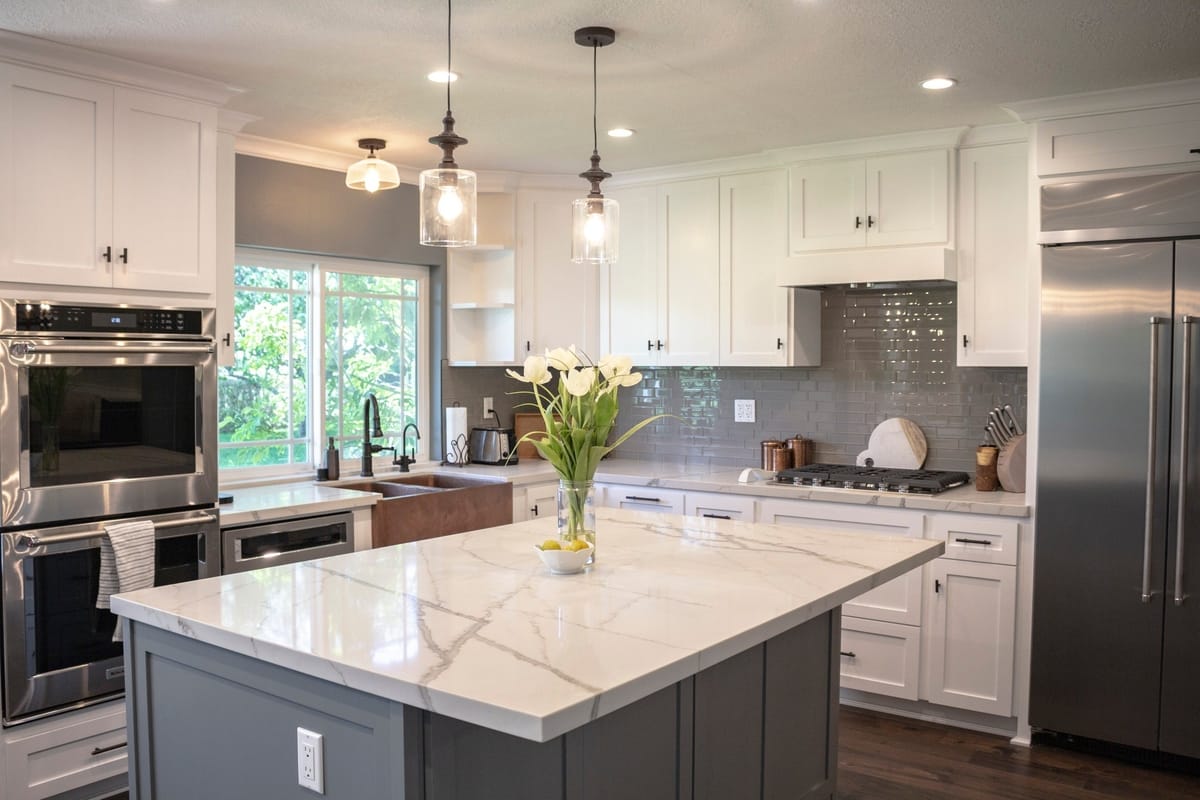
<point x="1116" y="604"/>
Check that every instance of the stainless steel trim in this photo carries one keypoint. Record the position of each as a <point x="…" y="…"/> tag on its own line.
<point x="33" y="540"/>
<point x="1175" y="231"/>
<point x="23" y="348"/>
<point x="1184" y="419"/>
<point x="8" y="321"/>
<point x="1151" y="457"/>
<point x="232" y="538"/>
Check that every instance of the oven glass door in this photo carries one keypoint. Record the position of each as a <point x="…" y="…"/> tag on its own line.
<point x="92" y="430"/>
<point x="58" y="647"/>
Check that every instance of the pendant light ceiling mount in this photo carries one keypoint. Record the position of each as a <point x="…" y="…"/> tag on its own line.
<point x="594" y="218"/>
<point x="595" y="36"/>
<point x="372" y="173"/>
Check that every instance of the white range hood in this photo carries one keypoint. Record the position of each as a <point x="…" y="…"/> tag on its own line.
<point x="869" y="265"/>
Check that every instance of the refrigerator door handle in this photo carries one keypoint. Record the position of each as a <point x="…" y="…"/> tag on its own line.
<point x="1151" y="457"/>
<point x="1184" y="420"/>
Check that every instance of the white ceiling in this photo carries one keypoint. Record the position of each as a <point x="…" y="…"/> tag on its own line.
<point x="698" y="79"/>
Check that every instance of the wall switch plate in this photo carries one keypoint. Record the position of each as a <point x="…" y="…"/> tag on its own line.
<point x="743" y="411"/>
<point x="488" y="406"/>
<point x="310" y="757"/>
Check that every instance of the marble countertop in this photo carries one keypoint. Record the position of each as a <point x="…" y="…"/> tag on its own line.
<point x="282" y="500"/>
<point x="473" y="626"/>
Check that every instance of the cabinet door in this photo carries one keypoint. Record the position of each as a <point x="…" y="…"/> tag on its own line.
<point x="993" y="256"/>
<point x="629" y="288"/>
<point x="56" y="178"/>
<point x="642" y="498"/>
<point x="688" y="261"/>
<point x="908" y="198"/>
<point x="165" y="183"/>
<point x="898" y="600"/>
<point x="754" y="310"/>
<point x="718" y="506"/>
<point x="558" y="297"/>
<point x="541" y="500"/>
<point x="828" y="205"/>
<point x="880" y="657"/>
<point x="62" y="754"/>
<point x="969" y="640"/>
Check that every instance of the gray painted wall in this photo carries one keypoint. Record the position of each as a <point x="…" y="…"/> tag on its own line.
<point x="884" y="353"/>
<point x="290" y="207"/>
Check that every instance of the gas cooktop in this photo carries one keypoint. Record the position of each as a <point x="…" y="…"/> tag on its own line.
<point x="880" y="479"/>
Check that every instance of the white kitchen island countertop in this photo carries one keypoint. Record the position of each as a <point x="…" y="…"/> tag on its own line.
<point x="474" y="627"/>
<point x="283" y="500"/>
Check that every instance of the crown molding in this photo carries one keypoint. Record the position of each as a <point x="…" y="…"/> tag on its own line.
<point x="1106" y="101"/>
<point x="229" y="121"/>
<point x="30" y="51"/>
<point x="1006" y="133"/>
<point x="276" y="150"/>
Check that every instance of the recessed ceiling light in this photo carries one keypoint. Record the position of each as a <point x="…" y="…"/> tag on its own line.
<point x="938" y="83"/>
<point x="621" y="133"/>
<point x="441" y="76"/>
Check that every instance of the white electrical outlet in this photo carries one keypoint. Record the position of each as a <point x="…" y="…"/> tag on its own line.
<point x="743" y="411"/>
<point x="488" y="407"/>
<point x="310" y="755"/>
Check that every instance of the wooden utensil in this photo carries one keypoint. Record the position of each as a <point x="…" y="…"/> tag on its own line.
<point x="1010" y="466"/>
<point x="523" y="423"/>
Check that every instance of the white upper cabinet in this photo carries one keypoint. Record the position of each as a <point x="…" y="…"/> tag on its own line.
<point x="629" y="300"/>
<point x="688" y="264"/>
<point x="761" y="323"/>
<point x="481" y="287"/>
<point x="105" y="186"/>
<point x="993" y="256"/>
<point x="881" y="201"/>
<point x="558" y="297"/>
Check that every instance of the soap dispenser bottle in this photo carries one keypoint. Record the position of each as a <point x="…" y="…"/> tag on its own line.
<point x="332" y="466"/>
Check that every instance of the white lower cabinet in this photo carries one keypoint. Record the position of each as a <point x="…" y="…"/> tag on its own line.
<point x="970" y="636"/>
<point x="640" y="498"/>
<point x="713" y="505"/>
<point x="881" y="657"/>
<point x="65" y="753"/>
<point x="535" y="501"/>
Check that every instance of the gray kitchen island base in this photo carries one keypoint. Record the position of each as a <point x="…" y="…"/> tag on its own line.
<point x="206" y="722"/>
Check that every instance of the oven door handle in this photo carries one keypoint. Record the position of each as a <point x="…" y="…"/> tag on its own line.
<point x="33" y="540"/>
<point x="29" y="348"/>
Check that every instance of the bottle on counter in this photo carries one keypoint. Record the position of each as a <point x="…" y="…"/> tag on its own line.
<point x="332" y="466"/>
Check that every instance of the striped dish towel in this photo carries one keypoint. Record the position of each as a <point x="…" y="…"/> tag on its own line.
<point x="126" y="561"/>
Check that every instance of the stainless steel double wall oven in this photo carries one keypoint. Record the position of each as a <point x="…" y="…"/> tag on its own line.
<point x="106" y="413"/>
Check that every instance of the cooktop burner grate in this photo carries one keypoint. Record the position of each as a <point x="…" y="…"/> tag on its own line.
<point x="880" y="479"/>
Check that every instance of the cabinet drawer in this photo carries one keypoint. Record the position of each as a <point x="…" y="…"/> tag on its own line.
<point x="880" y="657"/>
<point x="992" y="541"/>
<point x="65" y="753"/>
<point x="719" y="506"/>
<point x="643" y="498"/>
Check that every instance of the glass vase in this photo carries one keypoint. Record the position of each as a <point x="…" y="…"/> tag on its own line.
<point x="577" y="513"/>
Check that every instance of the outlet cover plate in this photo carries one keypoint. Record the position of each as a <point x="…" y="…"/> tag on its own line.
<point x="310" y="757"/>
<point x="743" y="411"/>
<point x="488" y="406"/>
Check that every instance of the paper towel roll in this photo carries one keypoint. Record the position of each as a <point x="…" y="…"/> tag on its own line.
<point x="456" y="435"/>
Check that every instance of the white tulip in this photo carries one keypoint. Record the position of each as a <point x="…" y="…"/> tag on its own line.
<point x="611" y="366"/>
<point x="579" y="381"/>
<point x="534" y="370"/>
<point x="563" y="358"/>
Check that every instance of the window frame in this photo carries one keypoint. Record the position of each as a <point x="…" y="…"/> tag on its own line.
<point x="318" y="268"/>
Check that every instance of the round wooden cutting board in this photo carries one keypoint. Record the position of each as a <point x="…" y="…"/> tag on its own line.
<point x="1010" y="466"/>
<point x="898" y="443"/>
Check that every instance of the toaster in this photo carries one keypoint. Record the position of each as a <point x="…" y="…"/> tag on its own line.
<point x="492" y="446"/>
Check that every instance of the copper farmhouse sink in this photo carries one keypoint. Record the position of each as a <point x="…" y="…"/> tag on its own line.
<point x="431" y="504"/>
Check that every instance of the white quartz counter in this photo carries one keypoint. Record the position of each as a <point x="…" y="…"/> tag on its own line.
<point x="281" y="500"/>
<point x="474" y="627"/>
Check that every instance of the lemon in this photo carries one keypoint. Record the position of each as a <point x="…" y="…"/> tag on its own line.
<point x="551" y="544"/>
<point x="578" y="544"/>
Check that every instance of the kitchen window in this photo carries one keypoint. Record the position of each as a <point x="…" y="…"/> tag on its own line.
<point x="314" y="336"/>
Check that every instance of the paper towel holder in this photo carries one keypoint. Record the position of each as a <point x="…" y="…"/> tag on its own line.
<point x="456" y="451"/>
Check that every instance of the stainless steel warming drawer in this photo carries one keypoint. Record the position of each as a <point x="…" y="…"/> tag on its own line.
<point x="289" y="541"/>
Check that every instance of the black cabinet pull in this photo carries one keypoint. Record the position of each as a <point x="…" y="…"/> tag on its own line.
<point x="717" y="516"/>
<point x="649" y="345"/>
<point x="643" y="499"/>
<point x="870" y="221"/>
<point x="660" y="345"/>
<point x="226" y="339"/>
<point x="107" y="254"/>
<point x="937" y="586"/>
<point x="858" y="222"/>
<point x="849" y="654"/>
<point x="964" y="341"/>
<point x="98" y="750"/>
<point x="983" y="542"/>
<point x="1195" y="150"/>
<point x="124" y="255"/>
<point x="778" y="343"/>
<point x="527" y="345"/>
<point x="534" y="510"/>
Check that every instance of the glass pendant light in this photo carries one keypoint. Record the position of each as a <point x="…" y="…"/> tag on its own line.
<point x="595" y="218"/>
<point x="372" y="173"/>
<point x="447" y="192"/>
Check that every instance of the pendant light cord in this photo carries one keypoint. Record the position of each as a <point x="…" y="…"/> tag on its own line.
<point x="595" y="138"/>
<point x="449" y="70"/>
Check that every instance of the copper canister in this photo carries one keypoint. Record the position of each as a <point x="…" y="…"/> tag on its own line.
<point x="781" y="458"/>
<point x="768" y="448"/>
<point x="802" y="450"/>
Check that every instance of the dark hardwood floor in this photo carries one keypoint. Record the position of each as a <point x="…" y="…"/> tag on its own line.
<point x="883" y="757"/>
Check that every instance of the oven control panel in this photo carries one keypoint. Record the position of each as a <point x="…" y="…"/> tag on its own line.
<point x="107" y="320"/>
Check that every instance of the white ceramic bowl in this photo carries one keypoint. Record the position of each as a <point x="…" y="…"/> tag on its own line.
<point x="564" y="562"/>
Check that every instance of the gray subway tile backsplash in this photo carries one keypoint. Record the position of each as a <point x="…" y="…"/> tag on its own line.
<point x="884" y="353"/>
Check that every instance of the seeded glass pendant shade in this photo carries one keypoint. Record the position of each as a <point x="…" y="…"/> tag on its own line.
<point x="448" y="216"/>
<point x="372" y="173"/>
<point x="595" y="219"/>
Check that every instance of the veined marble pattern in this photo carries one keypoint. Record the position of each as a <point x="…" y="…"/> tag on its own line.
<point x="281" y="500"/>
<point x="473" y="626"/>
